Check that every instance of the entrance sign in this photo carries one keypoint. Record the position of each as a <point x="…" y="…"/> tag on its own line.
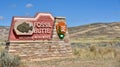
<point x="42" y="36"/>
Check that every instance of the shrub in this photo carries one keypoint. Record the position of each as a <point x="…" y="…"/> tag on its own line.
<point x="7" y="60"/>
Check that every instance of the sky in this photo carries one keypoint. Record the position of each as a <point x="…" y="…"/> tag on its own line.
<point x="77" y="12"/>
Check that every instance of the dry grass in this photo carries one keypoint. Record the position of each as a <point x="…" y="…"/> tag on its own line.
<point x="73" y="62"/>
<point x="92" y="56"/>
<point x="94" y="52"/>
<point x="83" y="57"/>
<point x="94" y="40"/>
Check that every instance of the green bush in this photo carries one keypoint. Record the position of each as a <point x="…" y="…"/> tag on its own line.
<point x="7" y="60"/>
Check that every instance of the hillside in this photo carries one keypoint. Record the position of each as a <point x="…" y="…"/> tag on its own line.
<point x="91" y="44"/>
<point x="95" y="30"/>
<point x="4" y="33"/>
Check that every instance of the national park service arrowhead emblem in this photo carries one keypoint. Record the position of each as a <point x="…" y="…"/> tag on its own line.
<point x="61" y="29"/>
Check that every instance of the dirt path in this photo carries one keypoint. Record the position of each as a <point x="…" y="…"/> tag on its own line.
<point x="82" y="32"/>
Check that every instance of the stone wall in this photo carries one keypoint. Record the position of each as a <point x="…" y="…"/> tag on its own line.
<point x="43" y="49"/>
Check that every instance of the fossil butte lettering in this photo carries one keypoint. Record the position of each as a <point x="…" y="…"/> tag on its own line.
<point x="43" y="27"/>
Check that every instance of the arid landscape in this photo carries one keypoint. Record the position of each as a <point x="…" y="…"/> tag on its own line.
<point x="93" y="45"/>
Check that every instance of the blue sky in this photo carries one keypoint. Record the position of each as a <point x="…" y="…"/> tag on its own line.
<point x="77" y="12"/>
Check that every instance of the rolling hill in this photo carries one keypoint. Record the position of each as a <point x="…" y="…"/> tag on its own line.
<point x="4" y="33"/>
<point x="87" y="50"/>
<point x="95" y="30"/>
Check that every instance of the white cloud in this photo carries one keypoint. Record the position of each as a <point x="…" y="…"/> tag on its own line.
<point x="29" y="5"/>
<point x="1" y="17"/>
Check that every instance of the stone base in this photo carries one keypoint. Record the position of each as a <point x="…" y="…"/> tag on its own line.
<point x="38" y="50"/>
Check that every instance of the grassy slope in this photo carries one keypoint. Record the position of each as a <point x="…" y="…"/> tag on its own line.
<point x="89" y="55"/>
